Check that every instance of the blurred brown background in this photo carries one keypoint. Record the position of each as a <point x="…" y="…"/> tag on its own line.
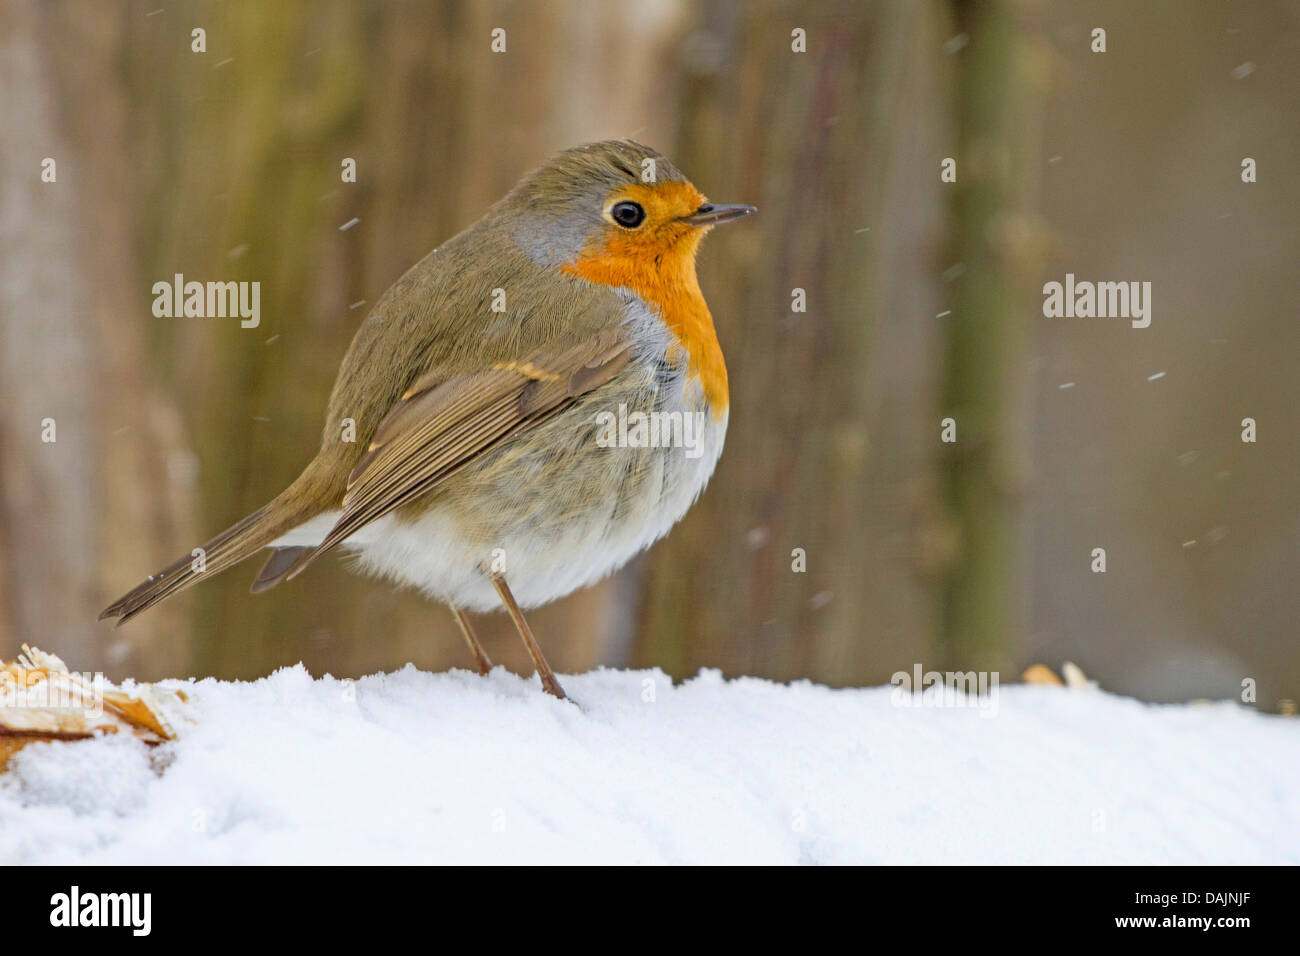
<point x="924" y="302"/>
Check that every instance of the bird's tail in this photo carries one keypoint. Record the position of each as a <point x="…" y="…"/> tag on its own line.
<point x="241" y="540"/>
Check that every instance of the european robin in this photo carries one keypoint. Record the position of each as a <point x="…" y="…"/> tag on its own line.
<point x="469" y="447"/>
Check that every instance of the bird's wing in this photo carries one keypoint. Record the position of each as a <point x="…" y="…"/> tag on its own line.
<point x="442" y="424"/>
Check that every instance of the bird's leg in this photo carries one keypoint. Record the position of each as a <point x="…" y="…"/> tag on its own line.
<point x="544" y="671"/>
<point x="480" y="656"/>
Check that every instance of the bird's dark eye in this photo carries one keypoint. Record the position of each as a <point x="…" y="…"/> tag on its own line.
<point x="629" y="215"/>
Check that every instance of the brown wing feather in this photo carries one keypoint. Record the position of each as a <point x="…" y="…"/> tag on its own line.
<point x="439" y="428"/>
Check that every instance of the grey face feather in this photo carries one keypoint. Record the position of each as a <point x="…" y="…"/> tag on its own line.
<point x="558" y="206"/>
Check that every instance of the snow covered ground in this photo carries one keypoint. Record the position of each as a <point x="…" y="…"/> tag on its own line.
<point x="412" y="767"/>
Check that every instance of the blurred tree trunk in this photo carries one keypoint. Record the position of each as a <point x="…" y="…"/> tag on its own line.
<point x="998" y="104"/>
<point x="832" y="147"/>
<point x="48" y="486"/>
<point x="99" y="498"/>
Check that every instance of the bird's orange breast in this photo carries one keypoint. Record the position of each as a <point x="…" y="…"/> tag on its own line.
<point x="664" y="276"/>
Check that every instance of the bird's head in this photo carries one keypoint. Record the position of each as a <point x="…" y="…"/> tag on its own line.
<point x="614" y="212"/>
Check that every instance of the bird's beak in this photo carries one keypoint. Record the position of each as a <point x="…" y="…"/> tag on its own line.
<point x="715" y="213"/>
